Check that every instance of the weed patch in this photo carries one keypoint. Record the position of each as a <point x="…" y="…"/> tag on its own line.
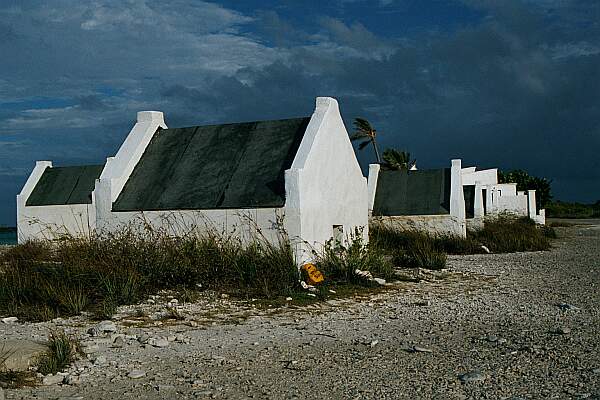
<point x="40" y="281"/>
<point x="339" y="263"/>
<point x="62" y="351"/>
<point x="507" y="235"/>
<point x="504" y="234"/>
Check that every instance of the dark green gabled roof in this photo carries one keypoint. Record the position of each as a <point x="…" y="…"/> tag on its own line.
<point x="214" y="167"/>
<point x="65" y="185"/>
<point x="422" y="192"/>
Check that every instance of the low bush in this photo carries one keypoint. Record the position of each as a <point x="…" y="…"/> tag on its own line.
<point x="390" y="239"/>
<point x="339" y="263"/>
<point x="504" y="234"/>
<point x="39" y="281"/>
<point x="563" y="209"/>
<point x="62" y="351"/>
<point x="421" y="255"/>
<point x="507" y="234"/>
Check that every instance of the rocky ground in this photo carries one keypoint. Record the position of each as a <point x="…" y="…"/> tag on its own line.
<point x="513" y="326"/>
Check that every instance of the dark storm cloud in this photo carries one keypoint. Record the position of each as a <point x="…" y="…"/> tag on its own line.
<point x="519" y="87"/>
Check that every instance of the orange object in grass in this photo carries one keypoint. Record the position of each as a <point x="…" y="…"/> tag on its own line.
<point x="314" y="275"/>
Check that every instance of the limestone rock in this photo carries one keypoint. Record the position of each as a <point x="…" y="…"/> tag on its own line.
<point x="52" y="379"/>
<point x="106" y="326"/>
<point x="136" y="374"/>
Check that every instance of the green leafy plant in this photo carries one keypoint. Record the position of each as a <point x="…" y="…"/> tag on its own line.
<point x="339" y="263"/>
<point x="99" y="273"/>
<point x="398" y="160"/>
<point x="62" y="351"/>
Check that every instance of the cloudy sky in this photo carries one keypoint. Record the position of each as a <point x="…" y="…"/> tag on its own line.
<point x="513" y="84"/>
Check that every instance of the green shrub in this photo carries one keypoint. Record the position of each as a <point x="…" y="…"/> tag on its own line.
<point x="421" y="254"/>
<point x="503" y="234"/>
<point x="339" y="263"/>
<point x="62" y="351"/>
<point x="563" y="209"/>
<point x="391" y="240"/>
<point x="507" y="234"/>
<point x="39" y="281"/>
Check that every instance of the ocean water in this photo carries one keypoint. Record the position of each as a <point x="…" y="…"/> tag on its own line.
<point x="8" y="236"/>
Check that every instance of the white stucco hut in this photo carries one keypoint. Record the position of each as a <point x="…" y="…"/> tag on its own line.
<point x="300" y="174"/>
<point x="426" y="200"/>
<point x="485" y="196"/>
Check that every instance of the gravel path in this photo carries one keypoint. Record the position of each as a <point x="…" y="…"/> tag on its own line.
<point x="524" y="325"/>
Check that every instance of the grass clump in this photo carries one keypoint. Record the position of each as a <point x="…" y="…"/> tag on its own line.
<point x="339" y="263"/>
<point x="62" y="351"/>
<point x="504" y="234"/>
<point x="421" y="254"/>
<point x="562" y="209"/>
<point x="507" y="234"/>
<point x="41" y="281"/>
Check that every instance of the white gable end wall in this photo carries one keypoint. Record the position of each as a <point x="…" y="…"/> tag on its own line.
<point x="54" y="221"/>
<point x="325" y="186"/>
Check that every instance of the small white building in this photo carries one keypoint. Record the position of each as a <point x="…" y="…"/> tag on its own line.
<point x="426" y="200"/>
<point x="245" y="178"/>
<point x="485" y="196"/>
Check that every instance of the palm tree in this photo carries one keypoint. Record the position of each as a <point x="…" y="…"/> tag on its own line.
<point x="398" y="160"/>
<point x="365" y="132"/>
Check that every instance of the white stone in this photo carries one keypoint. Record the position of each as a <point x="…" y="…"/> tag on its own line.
<point x="158" y="342"/>
<point x="100" y="360"/>
<point x="72" y="379"/>
<point x="52" y="379"/>
<point x="380" y="281"/>
<point x="136" y="374"/>
<point x="107" y="326"/>
<point x="10" y="320"/>
<point x="90" y="348"/>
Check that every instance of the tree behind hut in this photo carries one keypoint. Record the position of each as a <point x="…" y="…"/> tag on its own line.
<point x="398" y="160"/>
<point x="525" y="181"/>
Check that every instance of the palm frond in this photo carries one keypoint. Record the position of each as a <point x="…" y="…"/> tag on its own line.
<point x="364" y="144"/>
<point x="358" y="135"/>
<point x="398" y="160"/>
<point x="362" y="124"/>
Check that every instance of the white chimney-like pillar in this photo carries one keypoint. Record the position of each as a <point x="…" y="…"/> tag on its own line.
<point x="478" y="209"/>
<point x="457" y="197"/>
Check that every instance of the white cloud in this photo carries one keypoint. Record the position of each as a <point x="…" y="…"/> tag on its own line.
<point x="568" y="50"/>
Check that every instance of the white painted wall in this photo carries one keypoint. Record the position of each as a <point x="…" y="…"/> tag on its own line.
<point x="54" y="222"/>
<point x="372" y="184"/>
<point x="432" y="224"/>
<point x="485" y="177"/>
<point x="500" y="198"/>
<point x="50" y="222"/>
<point x="325" y="185"/>
<point x="245" y="224"/>
<point x="457" y="199"/>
